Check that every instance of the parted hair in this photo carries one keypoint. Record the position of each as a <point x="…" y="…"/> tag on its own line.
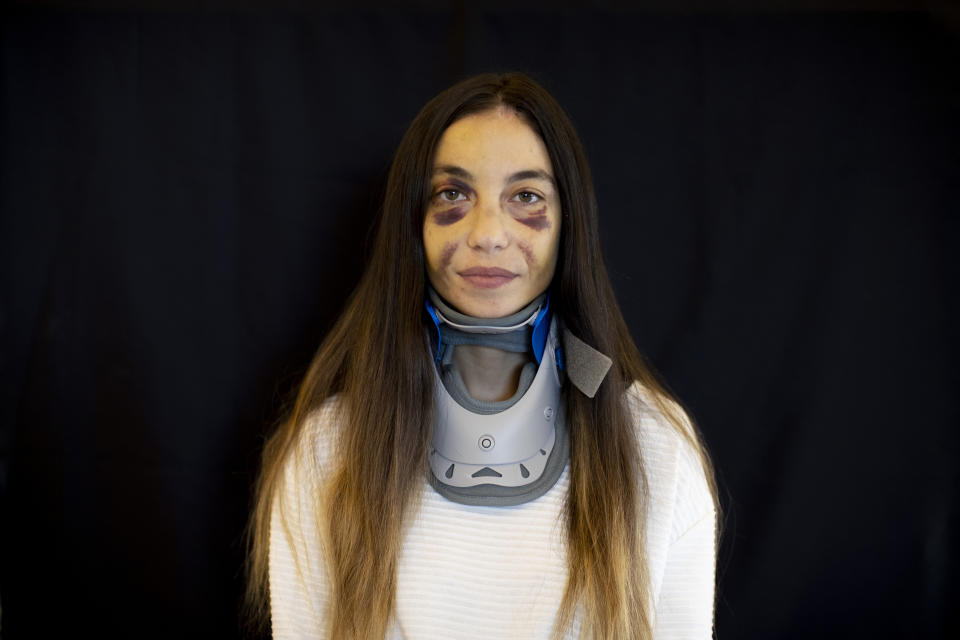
<point x="377" y="361"/>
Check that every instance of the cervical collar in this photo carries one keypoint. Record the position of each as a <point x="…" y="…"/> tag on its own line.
<point x="497" y="453"/>
<point x="536" y="315"/>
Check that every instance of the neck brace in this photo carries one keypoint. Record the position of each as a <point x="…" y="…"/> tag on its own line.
<point x="535" y="315"/>
<point x="498" y="453"/>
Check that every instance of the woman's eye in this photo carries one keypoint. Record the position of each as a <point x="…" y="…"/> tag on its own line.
<point x="451" y="195"/>
<point x="528" y="197"/>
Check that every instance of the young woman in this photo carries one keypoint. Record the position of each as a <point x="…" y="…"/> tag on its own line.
<point x="478" y="449"/>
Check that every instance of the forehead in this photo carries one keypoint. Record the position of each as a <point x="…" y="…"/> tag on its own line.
<point x="492" y="142"/>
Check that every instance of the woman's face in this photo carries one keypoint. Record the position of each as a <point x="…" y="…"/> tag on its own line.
<point x="492" y="226"/>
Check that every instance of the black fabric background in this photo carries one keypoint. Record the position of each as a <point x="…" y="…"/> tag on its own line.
<point x="186" y="201"/>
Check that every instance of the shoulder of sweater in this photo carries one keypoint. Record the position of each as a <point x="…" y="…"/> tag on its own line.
<point x="323" y="423"/>
<point x="316" y="444"/>
<point x="672" y="459"/>
<point x="656" y="430"/>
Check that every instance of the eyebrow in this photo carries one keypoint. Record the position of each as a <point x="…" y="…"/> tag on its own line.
<point x="528" y="174"/>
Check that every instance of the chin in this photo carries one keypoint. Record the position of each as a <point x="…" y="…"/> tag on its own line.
<point x="494" y="307"/>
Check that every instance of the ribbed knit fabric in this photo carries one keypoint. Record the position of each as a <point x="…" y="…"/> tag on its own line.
<point x="499" y="572"/>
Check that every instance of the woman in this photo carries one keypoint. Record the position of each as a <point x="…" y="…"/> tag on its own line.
<point x="478" y="449"/>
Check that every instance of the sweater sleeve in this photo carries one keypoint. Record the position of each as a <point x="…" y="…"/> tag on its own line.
<point x="681" y="526"/>
<point x="686" y="599"/>
<point x="685" y="609"/>
<point x="298" y="585"/>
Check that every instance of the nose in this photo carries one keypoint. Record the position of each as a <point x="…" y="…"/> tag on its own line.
<point x="487" y="233"/>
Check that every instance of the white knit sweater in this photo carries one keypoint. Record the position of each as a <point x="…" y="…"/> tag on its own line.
<point x="499" y="572"/>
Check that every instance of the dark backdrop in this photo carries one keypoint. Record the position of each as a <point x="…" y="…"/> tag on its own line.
<point x="186" y="201"/>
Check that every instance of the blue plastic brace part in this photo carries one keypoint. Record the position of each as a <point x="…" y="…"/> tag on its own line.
<point x="436" y="324"/>
<point x="541" y="328"/>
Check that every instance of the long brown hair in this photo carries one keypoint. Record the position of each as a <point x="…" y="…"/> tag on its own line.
<point x="377" y="360"/>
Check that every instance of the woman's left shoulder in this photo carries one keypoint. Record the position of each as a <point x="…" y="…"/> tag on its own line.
<point x="673" y="458"/>
<point x="656" y="430"/>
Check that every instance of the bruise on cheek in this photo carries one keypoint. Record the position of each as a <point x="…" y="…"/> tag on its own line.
<point x="537" y="220"/>
<point x="447" y="254"/>
<point x="527" y="252"/>
<point x="448" y="216"/>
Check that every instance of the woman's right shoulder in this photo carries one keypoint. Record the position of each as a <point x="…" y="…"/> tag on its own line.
<point x="319" y="434"/>
<point x="325" y="417"/>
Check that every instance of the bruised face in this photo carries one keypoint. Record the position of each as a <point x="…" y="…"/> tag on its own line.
<point x="492" y="226"/>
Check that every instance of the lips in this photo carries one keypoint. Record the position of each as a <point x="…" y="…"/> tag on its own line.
<point x="487" y="277"/>
<point x="488" y="272"/>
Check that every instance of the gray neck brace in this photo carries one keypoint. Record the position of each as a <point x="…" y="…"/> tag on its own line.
<point x="507" y="448"/>
<point x="511" y="333"/>
<point x="497" y="453"/>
